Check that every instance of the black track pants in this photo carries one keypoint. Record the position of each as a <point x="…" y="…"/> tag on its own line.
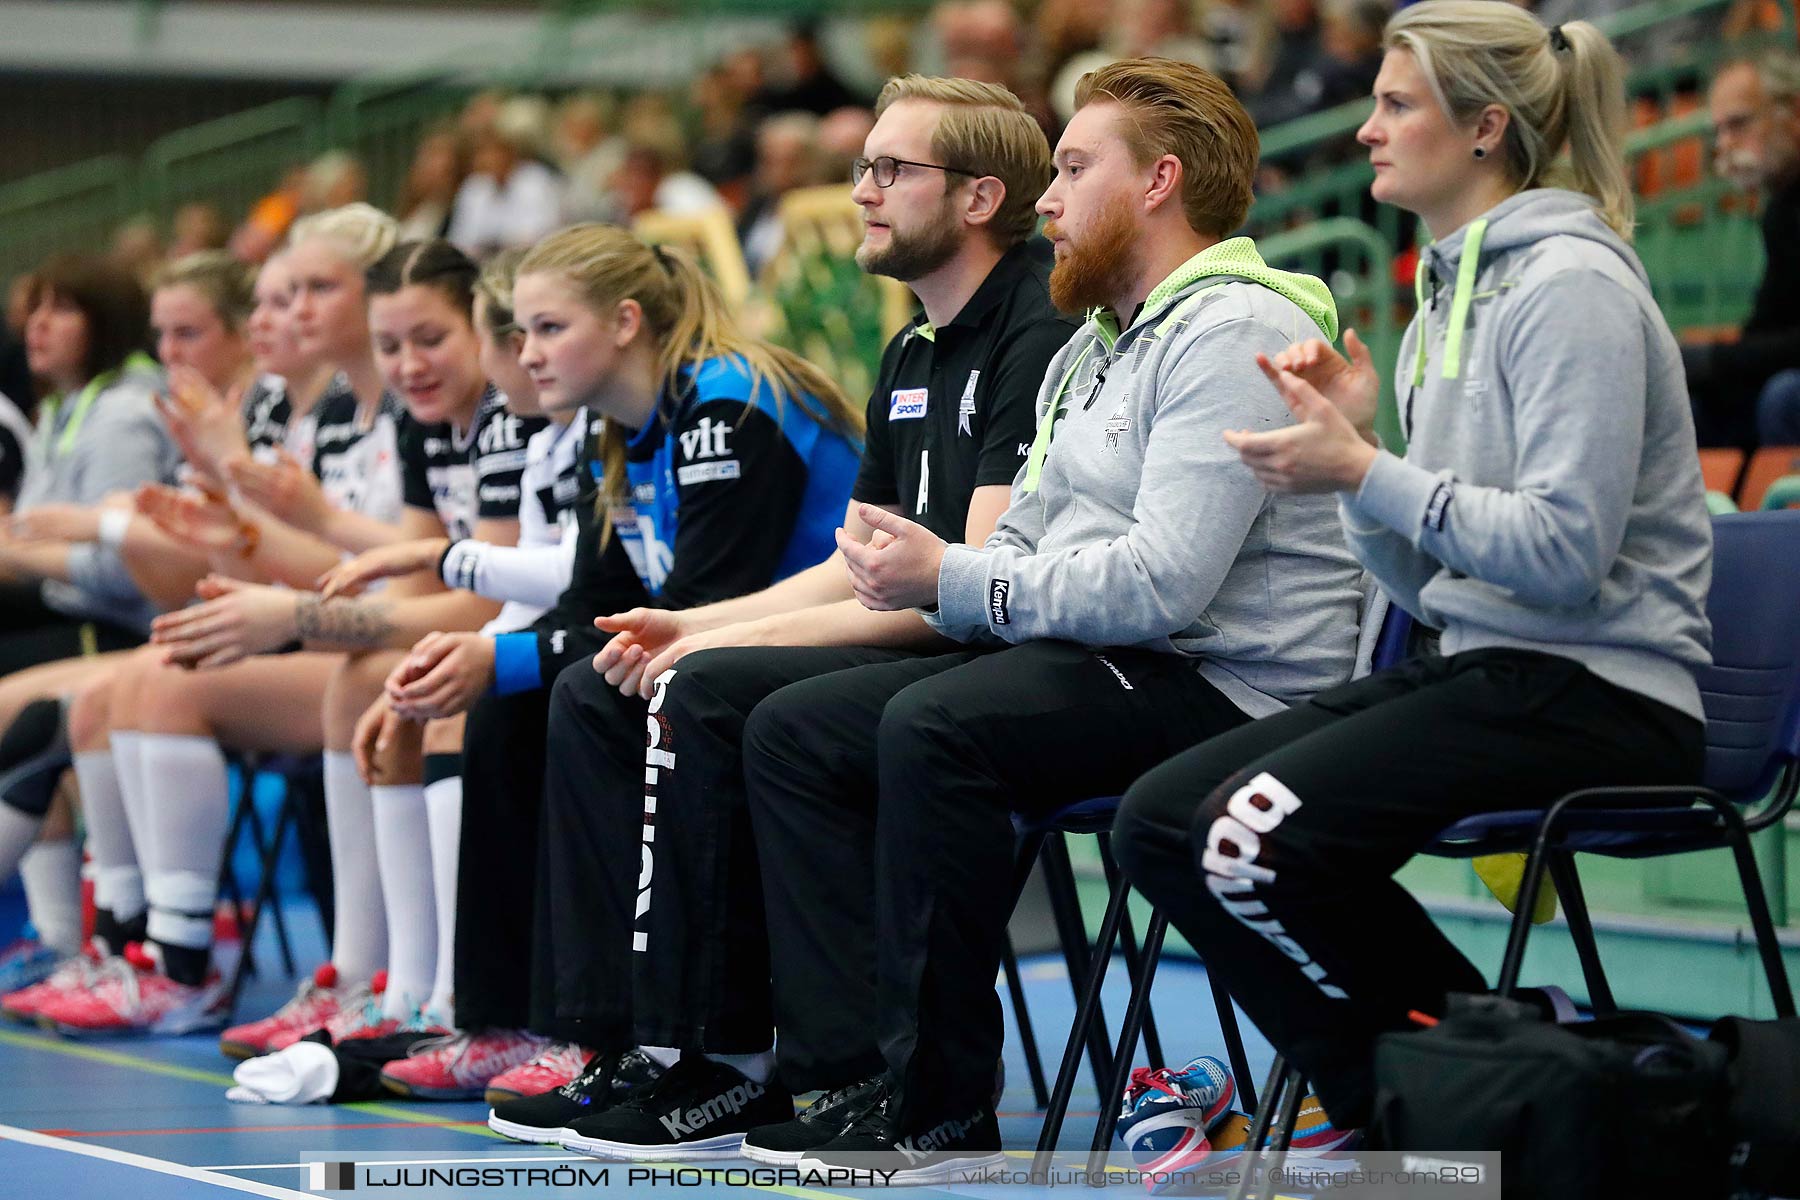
<point x="698" y="950"/>
<point x="882" y="800"/>
<point x="1272" y="848"/>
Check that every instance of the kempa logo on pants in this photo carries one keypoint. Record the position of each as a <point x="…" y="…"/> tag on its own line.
<point x="1229" y="878"/>
<point x="656" y="761"/>
<point x="680" y="1124"/>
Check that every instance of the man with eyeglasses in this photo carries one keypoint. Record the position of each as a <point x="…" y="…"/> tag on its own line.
<point x="651" y="914"/>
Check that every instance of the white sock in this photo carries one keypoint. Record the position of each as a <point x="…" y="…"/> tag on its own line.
<point x="403" y="851"/>
<point x="443" y="812"/>
<point x="118" y="878"/>
<point x="188" y="803"/>
<point x="52" y="875"/>
<point x="128" y="769"/>
<point x="18" y="830"/>
<point x="754" y="1067"/>
<point x="663" y="1056"/>
<point x="359" y="937"/>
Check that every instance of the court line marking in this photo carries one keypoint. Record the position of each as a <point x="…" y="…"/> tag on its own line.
<point x="414" y="1162"/>
<point x="114" y="1058"/>
<point x="151" y="1066"/>
<point x="146" y="1163"/>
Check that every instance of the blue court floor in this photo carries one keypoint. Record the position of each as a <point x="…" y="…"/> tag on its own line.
<point x="148" y="1119"/>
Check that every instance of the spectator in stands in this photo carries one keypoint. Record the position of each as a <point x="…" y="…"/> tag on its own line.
<point x="196" y="227"/>
<point x="786" y="158"/>
<point x="1319" y="71"/>
<point x="1749" y="391"/>
<point x="511" y="199"/>
<point x="725" y="152"/>
<point x="651" y="178"/>
<point x="804" y="80"/>
<point x="334" y="179"/>
<point x="841" y="138"/>
<point x="137" y="247"/>
<point x="269" y="218"/>
<point x="438" y="167"/>
<point x="588" y="150"/>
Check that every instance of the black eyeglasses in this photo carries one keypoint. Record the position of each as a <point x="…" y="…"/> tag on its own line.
<point x="887" y="169"/>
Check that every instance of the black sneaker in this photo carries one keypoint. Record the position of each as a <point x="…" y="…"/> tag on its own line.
<point x="870" y="1151"/>
<point x="699" y="1108"/>
<point x="545" y="1118"/>
<point x="785" y="1144"/>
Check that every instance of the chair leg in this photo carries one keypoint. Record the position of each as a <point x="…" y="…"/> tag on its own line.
<point x="229" y="891"/>
<point x="1761" y="923"/>
<point x="1234" y="1041"/>
<point x="268" y="866"/>
<point x="1259" y="1124"/>
<point x="1136" y="1012"/>
<point x="1015" y="988"/>
<point x="265" y="893"/>
<point x="1065" y="904"/>
<point x="1529" y="886"/>
<point x="1283" y="1134"/>
<point x="1568" y="885"/>
<point x="1089" y="1026"/>
<point x="307" y="805"/>
<point x="1128" y="942"/>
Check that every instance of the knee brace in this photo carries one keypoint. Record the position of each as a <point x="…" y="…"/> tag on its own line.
<point x="34" y="752"/>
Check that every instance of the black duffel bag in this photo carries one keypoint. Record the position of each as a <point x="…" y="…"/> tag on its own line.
<point x="1630" y="1105"/>
<point x="1765" y="1103"/>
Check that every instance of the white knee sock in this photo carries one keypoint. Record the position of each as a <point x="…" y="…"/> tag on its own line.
<point x="663" y="1056"/>
<point x="18" y="830"/>
<point x="52" y="875"/>
<point x="134" y="797"/>
<point x="443" y="810"/>
<point x="118" y="878"/>
<point x="755" y="1067"/>
<point x="403" y="851"/>
<point x="359" y="939"/>
<point x="188" y="803"/>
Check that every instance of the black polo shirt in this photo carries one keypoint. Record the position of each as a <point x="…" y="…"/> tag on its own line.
<point x="954" y="408"/>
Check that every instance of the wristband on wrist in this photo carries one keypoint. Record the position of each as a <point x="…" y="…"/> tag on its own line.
<point x="114" y="524"/>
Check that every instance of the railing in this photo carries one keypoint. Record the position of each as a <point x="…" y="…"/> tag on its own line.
<point x="1357" y="264"/>
<point x="234" y="161"/>
<point x="77" y="205"/>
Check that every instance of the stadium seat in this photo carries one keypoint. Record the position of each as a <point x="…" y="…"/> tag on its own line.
<point x="711" y="239"/>
<point x="1720" y="468"/>
<point x="1783" y="493"/>
<point x="1752" y="698"/>
<point x="1765" y="467"/>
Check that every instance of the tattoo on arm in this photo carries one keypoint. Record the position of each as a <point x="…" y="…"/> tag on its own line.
<point x="358" y="624"/>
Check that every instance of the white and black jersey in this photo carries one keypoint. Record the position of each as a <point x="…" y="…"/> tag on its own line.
<point x="15" y="438"/>
<point x="529" y="576"/>
<point x="472" y="477"/>
<point x="357" y="461"/>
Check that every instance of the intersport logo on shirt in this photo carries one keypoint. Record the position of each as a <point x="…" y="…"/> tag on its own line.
<point x="686" y="1124"/>
<point x="907" y="404"/>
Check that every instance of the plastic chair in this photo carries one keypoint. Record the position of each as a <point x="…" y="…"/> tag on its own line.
<point x="302" y="803"/>
<point x="1751" y="695"/>
<point x="1387" y="630"/>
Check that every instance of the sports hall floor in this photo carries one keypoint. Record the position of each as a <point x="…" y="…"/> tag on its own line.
<point x="148" y="1119"/>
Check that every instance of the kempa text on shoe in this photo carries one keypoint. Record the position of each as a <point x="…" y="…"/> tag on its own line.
<point x="697" y="1119"/>
<point x="928" y="1143"/>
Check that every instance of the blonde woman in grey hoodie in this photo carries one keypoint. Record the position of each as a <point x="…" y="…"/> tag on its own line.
<point x="1547" y="518"/>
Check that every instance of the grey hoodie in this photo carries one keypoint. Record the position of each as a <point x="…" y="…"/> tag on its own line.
<point x="121" y="443"/>
<point x="1136" y="525"/>
<point x="1550" y="498"/>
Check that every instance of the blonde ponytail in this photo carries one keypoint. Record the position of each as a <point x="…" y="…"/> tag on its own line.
<point x="1561" y="88"/>
<point x="686" y="313"/>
